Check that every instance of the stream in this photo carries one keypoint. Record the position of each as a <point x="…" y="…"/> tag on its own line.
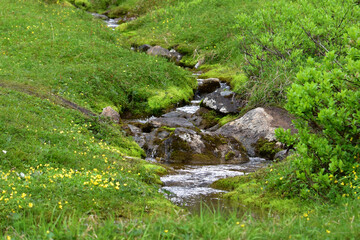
<point x="189" y="185"/>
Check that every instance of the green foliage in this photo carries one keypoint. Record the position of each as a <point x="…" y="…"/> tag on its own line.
<point x="325" y="101"/>
<point x="278" y="38"/>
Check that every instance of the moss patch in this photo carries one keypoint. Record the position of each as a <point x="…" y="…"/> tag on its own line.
<point x="246" y="191"/>
<point x="266" y="149"/>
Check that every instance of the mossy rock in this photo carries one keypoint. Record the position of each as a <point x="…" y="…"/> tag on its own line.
<point x="192" y="147"/>
<point x="266" y="149"/>
<point x="188" y="62"/>
<point x="209" y="118"/>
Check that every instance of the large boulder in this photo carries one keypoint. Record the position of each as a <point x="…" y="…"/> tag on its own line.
<point x="257" y="127"/>
<point x="223" y="101"/>
<point x="208" y="85"/>
<point x="159" y="51"/>
<point x="111" y="113"/>
<point x="191" y="147"/>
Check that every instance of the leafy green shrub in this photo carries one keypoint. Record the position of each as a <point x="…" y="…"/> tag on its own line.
<point x="325" y="101"/>
<point x="278" y="38"/>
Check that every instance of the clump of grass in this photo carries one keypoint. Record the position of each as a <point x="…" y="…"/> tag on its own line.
<point x="317" y="222"/>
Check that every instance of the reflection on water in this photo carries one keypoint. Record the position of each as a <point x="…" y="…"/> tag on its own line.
<point x="190" y="185"/>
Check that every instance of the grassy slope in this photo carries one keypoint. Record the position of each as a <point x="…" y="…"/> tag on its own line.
<point x="67" y="52"/>
<point x="58" y="167"/>
<point x="57" y="163"/>
<point x="199" y="32"/>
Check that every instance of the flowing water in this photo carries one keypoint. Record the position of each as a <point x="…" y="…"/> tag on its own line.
<point x="190" y="185"/>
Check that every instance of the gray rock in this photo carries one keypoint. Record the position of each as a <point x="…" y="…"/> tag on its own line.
<point x="279" y="156"/>
<point x="188" y="146"/>
<point x="138" y="135"/>
<point x="144" y="48"/>
<point x="223" y="101"/>
<point x="111" y="113"/>
<point x="202" y="118"/>
<point x="176" y="114"/>
<point x="175" y="56"/>
<point x="159" y="51"/>
<point x="208" y="85"/>
<point x="171" y="122"/>
<point x="256" y="124"/>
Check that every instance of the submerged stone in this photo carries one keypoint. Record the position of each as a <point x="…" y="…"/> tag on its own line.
<point x="223" y="101"/>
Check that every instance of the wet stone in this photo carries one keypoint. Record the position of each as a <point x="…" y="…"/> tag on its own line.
<point x="208" y="85"/>
<point x="223" y="101"/>
<point x="171" y="122"/>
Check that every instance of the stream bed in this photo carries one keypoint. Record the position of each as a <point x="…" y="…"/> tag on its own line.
<point x="189" y="185"/>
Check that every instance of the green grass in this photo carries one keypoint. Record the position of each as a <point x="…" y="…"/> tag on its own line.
<point x="56" y="162"/>
<point x="59" y="166"/>
<point x="318" y="222"/>
<point x="66" y="52"/>
<point x="199" y="32"/>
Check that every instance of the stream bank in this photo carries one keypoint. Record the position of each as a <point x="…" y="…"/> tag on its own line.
<point x="201" y="152"/>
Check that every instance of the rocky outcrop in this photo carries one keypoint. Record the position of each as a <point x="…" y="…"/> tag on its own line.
<point x="257" y="124"/>
<point x="163" y="52"/>
<point x="223" y="101"/>
<point x="111" y="113"/>
<point x="188" y="146"/>
<point x="208" y="85"/>
<point x="159" y="51"/>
